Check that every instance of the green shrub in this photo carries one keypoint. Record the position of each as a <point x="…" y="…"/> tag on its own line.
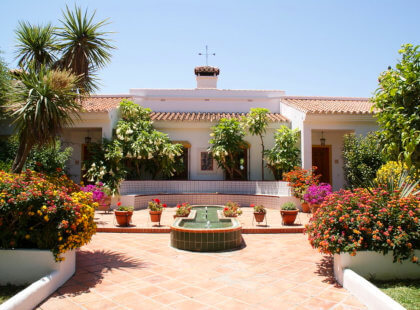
<point x="288" y="206"/>
<point x="362" y="158"/>
<point x="45" y="159"/>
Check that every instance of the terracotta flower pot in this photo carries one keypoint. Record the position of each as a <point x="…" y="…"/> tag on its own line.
<point x="288" y="216"/>
<point x="123" y="217"/>
<point x="259" y="217"/>
<point x="155" y="216"/>
<point x="314" y="207"/>
<point x="305" y="207"/>
<point x="105" y="204"/>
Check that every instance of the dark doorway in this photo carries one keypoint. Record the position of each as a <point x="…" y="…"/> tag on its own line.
<point x="321" y="158"/>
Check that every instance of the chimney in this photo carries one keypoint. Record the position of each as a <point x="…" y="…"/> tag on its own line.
<point x="206" y="76"/>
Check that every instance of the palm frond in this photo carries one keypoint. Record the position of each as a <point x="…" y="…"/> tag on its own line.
<point x="45" y="103"/>
<point x="35" y="44"/>
<point x="85" y="48"/>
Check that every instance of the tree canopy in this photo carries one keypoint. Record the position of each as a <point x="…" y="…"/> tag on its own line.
<point x="256" y="122"/>
<point x="285" y="154"/>
<point x="227" y="144"/>
<point x="398" y="102"/>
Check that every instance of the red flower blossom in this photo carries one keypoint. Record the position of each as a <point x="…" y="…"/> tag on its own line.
<point x="119" y="203"/>
<point x="157" y="201"/>
<point x="252" y="205"/>
<point x="164" y="205"/>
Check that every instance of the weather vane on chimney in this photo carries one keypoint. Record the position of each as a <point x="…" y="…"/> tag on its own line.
<point x="207" y="54"/>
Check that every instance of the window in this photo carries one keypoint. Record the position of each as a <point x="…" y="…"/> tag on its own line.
<point x="206" y="161"/>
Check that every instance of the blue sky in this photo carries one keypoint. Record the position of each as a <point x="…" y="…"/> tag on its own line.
<point x="323" y="48"/>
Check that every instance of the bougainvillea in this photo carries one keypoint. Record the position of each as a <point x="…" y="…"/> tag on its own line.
<point x="315" y="194"/>
<point x="360" y="220"/>
<point x="37" y="212"/>
<point x="300" y="179"/>
<point x="98" y="190"/>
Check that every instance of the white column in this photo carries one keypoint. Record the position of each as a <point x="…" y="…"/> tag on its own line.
<point x="306" y="147"/>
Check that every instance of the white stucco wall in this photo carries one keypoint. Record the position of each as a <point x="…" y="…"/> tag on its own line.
<point x="198" y="135"/>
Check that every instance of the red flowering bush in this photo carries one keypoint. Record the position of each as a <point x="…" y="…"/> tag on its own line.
<point x="300" y="179"/>
<point x="38" y="212"/>
<point x="183" y="209"/>
<point x="361" y="220"/>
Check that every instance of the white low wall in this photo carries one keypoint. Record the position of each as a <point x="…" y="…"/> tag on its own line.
<point x="375" y="265"/>
<point x="271" y="202"/>
<point x="20" y="266"/>
<point x="274" y="188"/>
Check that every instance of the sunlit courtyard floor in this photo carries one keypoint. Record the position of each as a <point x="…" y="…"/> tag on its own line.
<point x="141" y="271"/>
<point x="141" y="219"/>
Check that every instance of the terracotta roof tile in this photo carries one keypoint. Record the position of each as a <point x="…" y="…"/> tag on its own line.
<point x="330" y="105"/>
<point x="206" y="116"/>
<point x="102" y="103"/>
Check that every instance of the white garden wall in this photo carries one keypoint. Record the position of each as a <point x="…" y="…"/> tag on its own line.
<point x="375" y="265"/>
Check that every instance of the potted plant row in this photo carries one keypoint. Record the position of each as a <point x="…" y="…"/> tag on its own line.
<point x="123" y="214"/>
<point x="182" y="210"/>
<point x="259" y="212"/>
<point x="155" y="210"/>
<point x="231" y="209"/>
<point x="288" y="212"/>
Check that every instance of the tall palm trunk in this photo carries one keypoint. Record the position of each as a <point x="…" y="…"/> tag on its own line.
<point x="21" y="155"/>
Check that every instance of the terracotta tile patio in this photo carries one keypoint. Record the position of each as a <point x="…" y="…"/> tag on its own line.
<point x="141" y="221"/>
<point x="141" y="271"/>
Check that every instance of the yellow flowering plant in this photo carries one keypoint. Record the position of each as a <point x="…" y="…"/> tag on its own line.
<point x="40" y="212"/>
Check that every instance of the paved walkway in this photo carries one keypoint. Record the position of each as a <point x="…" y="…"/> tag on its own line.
<point x="141" y="271"/>
<point x="141" y="219"/>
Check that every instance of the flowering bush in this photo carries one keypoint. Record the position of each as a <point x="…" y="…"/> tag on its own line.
<point x="300" y="179"/>
<point x="37" y="212"/>
<point x="232" y="209"/>
<point x="315" y="194"/>
<point x="392" y="170"/>
<point x="258" y="208"/>
<point x="183" y="209"/>
<point x="99" y="191"/>
<point x="155" y="205"/>
<point x="361" y="220"/>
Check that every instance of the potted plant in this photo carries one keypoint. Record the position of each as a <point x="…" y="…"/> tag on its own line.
<point x="155" y="210"/>
<point x="288" y="213"/>
<point x="316" y="194"/>
<point x="232" y="209"/>
<point x="182" y="210"/>
<point x="123" y="214"/>
<point x="100" y="194"/>
<point x="259" y="212"/>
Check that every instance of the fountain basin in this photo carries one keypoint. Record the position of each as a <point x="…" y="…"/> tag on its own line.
<point x="202" y="233"/>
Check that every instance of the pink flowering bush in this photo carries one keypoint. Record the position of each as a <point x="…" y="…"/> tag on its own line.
<point x="362" y="220"/>
<point x="99" y="191"/>
<point x="315" y="194"/>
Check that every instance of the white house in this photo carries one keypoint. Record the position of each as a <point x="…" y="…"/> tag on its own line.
<point x="187" y="116"/>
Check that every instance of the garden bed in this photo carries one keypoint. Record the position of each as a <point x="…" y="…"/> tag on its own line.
<point x="405" y="292"/>
<point x="8" y="291"/>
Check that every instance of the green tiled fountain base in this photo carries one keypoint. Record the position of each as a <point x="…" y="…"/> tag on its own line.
<point x="206" y="241"/>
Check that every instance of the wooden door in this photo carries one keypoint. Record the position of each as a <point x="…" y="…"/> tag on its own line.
<point x="321" y="158"/>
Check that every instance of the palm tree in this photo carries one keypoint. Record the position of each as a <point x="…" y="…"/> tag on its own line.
<point x="84" y="47"/>
<point x="36" y="44"/>
<point x="45" y="102"/>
